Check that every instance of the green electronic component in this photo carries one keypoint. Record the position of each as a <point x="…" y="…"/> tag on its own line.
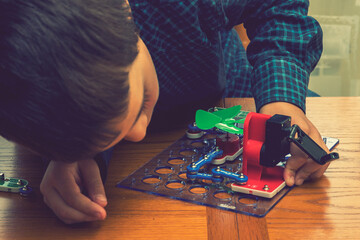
<point x="221" y="119"/>
<point x="14" y="185"/>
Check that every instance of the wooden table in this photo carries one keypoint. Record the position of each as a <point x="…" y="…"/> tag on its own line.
<point x="325" y="209"/>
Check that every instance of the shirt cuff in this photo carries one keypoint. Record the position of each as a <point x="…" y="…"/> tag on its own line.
<point x="279" y="80"/>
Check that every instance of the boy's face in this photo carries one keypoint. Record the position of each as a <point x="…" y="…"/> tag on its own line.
<point x="143" y="94"/>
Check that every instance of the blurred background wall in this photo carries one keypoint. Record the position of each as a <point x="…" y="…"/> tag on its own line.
<point x="337" y="73"/>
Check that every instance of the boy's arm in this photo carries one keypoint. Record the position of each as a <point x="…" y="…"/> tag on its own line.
<point x="285" y="46"/>
<point x="63" y="185"/>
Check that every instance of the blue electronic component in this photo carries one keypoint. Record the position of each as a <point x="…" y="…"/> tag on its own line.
<point x="193" y="127"/>
<point x="238" y="178"/>
<point x="205" y="176"/>
<point x="25" y="191"/>
<point x="217" y="175"/>
<point x="206" y="159"/>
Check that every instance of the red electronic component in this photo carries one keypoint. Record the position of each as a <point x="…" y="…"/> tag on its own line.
<point x="231" y="146"/>
<point x="262" y="181"/>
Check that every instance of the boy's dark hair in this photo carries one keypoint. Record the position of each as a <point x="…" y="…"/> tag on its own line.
<point x="64" y="73"/>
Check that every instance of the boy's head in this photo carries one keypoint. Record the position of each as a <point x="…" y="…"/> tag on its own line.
<point x="64" y="75"/>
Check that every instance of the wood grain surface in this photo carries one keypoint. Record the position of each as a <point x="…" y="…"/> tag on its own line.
<point x="326" y="209"/>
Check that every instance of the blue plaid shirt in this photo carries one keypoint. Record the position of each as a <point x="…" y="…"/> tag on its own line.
<point x="198" y="55"/>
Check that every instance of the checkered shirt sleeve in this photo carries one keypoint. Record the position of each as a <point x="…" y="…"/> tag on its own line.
<point x="196" y="52"/>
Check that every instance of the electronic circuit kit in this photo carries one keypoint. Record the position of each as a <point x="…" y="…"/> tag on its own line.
<point x="228" y="159"/>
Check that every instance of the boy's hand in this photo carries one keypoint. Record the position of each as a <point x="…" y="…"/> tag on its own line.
<point x="299" y="167"/>
<point x="62" y="187"/>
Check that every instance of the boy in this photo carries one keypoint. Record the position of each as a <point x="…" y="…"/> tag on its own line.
<point x="76" y="78"/>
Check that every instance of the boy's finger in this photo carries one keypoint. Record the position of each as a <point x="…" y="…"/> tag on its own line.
<point x="292" y="166"/>
<point x="305" y="171"/>
<point x="92" y="181"/>
<point x="66" y="213"/>
<point x="72" y="196"/>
